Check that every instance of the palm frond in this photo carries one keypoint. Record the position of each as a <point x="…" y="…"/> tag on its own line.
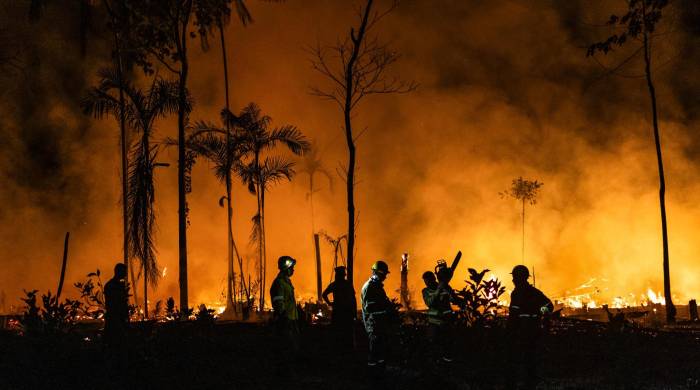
<point x="328" y="176"/>
<point x="165" y="98"/>
<point x="242" y="11"/>
<point x="256" y="232"/>
<point x="275" y="169"/>
<point x="291" y="137"/>
<point x="249" y="175"/>
<point x="97" y="103"/>
<point x="141" y="214"/>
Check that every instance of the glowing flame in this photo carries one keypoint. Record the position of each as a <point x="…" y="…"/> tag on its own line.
<point x="165" y="271"/>
<point x="654" y="298"/>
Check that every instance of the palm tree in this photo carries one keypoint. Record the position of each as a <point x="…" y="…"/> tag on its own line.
<point x="260" y="172"/>
<point x="141" y="109"/>
<point x="219" y="11"/>
<point x="225" y="151"/>
<point x="312" y="165"/>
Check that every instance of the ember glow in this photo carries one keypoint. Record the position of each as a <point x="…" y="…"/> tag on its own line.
<point x="431" y="163"/>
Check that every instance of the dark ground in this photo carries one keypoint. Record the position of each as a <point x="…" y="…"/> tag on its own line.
<point x="575" y="355"/>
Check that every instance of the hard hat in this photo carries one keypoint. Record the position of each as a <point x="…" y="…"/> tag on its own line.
<point x="285" y="262"/>
<point x="340" y="269"/>
<point x="380" y="266"/>
<point x="428" y="275"/>
<point x="520" y="271"/>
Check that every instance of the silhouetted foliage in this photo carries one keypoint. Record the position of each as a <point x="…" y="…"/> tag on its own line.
<point x="480" y="299"/>
<point x="92" y="294"/>
<point x="524" y="191"/>
<point x="160" y="30"/>
<point x="49" y="319"/>
<point x="337" y="244"/>
<point x="312" y="165"/>
<point x="259" y="172"/>
<point x="224" y="149"/>
<point x="141" y="110"/>
<point x="171" y="312"/>
<point x="205" y="315"/>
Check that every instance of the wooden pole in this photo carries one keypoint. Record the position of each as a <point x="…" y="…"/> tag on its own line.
<point x="63" y="267"/>
<point x="405" y="298"/>
<point x="319" y="287"/>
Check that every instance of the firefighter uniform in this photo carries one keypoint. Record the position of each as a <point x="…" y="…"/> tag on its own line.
<point x="283" y="302"/>
<point x="376" y="311"/>
<point x="439" y="298"/>
<point x="527" y="307"/>
<point x="284" y="306"/>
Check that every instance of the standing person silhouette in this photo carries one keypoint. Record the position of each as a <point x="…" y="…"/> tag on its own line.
<point x="344" y="307"/>
<point x="116" y="292"/>
<point x="528" y="306"/>
<point x="376" y="312"/>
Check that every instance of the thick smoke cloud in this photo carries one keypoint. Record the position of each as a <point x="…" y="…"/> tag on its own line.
<point x="505" y="91"/>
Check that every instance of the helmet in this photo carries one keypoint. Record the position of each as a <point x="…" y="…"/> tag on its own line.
<point x="285" y="262"/>
<point x="340" y="269"/>
<point x="381" y="267"/>
<point x="520" y="271"/>
<point x="428" y="275"/>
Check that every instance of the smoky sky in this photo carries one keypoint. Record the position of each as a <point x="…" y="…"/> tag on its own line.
<point x="505" y="90"/>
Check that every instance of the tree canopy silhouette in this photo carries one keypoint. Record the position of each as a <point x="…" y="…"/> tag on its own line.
<point x="259" y="170"/>
<point x="141" y="110"/>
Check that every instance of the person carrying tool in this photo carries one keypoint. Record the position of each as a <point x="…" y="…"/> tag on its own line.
<point x="439" y="297"/>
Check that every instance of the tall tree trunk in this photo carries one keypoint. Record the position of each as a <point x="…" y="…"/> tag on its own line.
<point x="146" y="214"/>
<point x="263" y="244"/>
<point x="670" y="308"/>
<point x="124" y="148"/>
<point x="347" y="111"/>
<point x="350" y="182"/>
<point x="311" y="202"/>
<point x="182" y="196"/>
<point x="63" y="266"/>
<point x="261" y="260"/>
<point x="231" y="285"/>
<point x="523" y="223"/>
<point x="319" y="287"/>
<point x="123" y="142"/>
<point x="145" y="275"/>
<point x="133" y="284"/>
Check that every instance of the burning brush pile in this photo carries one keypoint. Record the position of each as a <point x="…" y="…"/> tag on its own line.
<point x="47" y="315"/>
<point x="591" y="301"/>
